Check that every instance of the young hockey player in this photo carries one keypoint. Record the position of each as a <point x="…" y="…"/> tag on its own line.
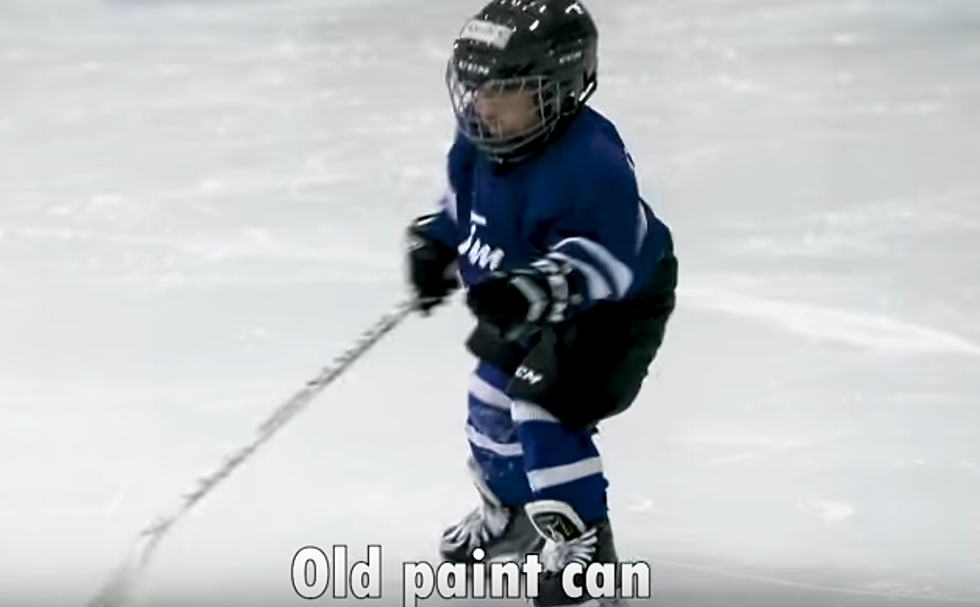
<point x="569" y="273"/>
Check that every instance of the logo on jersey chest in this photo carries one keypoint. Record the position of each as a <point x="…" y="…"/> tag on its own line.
<point x="478" y="252"/>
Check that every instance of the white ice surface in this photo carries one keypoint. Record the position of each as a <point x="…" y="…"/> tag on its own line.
<point x="202" y="203"/>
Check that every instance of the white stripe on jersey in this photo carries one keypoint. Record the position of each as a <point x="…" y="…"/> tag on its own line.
<point x="597" y="284"/>
<point x="621" y="274"/>
<point x="448" y="202"/>
<point x="641" y="228"/>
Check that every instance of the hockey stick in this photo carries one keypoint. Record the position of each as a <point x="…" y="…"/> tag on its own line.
<point x="119" y="584"/>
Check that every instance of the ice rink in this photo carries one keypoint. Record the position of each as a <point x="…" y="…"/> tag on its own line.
<point x="202" y="203"/>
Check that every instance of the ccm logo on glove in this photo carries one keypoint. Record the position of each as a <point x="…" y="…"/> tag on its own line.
<point x="529" y="375"/>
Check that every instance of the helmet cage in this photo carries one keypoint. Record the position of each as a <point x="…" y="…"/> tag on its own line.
<point x="553" y="96"/>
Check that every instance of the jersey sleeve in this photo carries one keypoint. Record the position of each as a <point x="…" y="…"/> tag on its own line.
<point x="442" y="224"/>
<point x="601" y="236"/>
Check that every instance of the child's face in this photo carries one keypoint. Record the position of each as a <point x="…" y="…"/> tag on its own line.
<point x="506" y="111"/>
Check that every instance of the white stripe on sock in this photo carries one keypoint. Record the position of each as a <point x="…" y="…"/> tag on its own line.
<point x="559" y="475"/>
<point x="486" y="393"/>
<point x="484" y="442"/>
<point x="523" y="411"/>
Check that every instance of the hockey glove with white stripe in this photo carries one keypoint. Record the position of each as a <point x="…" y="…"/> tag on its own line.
<point x="431" y="267"/>
<point x="518" y="303"/>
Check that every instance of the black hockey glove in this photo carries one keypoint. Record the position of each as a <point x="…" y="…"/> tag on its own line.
<point x="518" y="303"/>
<point x="431" y="267"/>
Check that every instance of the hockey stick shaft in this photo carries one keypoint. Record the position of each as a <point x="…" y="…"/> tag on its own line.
<point x="113" y="593"/>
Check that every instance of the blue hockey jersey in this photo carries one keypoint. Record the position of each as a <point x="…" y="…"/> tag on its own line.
<point x="577" y="201"/>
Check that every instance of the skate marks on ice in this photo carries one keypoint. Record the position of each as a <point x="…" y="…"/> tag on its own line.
<point x="818" y="323"/>
<point x="680" y="582"/>
<point x="683" y="582"/>
<point x="692" y="580"/>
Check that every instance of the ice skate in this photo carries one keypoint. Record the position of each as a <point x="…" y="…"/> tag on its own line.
<point x="502" y="533"/>
<point x="570" y="540"/>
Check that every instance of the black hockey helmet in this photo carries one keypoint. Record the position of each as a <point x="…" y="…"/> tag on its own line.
<point x="547" y="48"/>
